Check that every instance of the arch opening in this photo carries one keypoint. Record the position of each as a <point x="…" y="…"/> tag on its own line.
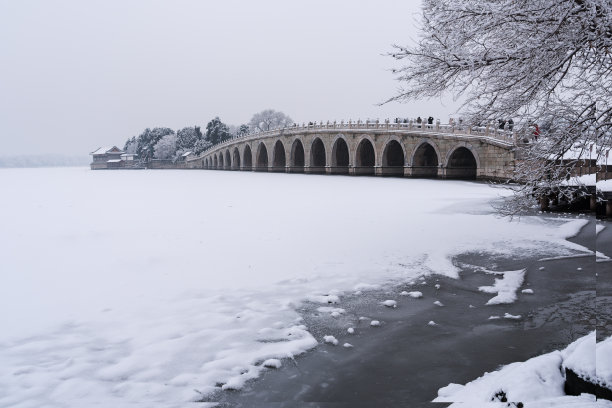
<point x="393" y="159"/>
<point x="221" y="165"/>
<point x="278" y="161"/>
<point x="365" y="158"/>
<point x="425" y="161"/>
<point x="215" y="162"/>
<point x="461" y="164"/>
<point x="340" y="157"/>
<point x="297" y="156"/>
<point x="205" y="163"/>
<point x="317" y="156"/>
<point x="248" y="158"/>
<point x="228" y="160"/>
<point x="262" y="158"/>
<point x="236" y="161"/>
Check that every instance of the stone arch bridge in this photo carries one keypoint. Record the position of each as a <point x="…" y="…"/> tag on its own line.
<point x="369" y="148"/>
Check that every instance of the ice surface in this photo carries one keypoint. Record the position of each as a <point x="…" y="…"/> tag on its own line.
<point x="147" y="288"/>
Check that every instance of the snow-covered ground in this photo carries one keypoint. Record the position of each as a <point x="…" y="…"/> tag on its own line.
<point x="147" y="288"/>
<point x="539" y="382"/>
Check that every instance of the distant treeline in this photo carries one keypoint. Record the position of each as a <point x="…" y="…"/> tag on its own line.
<point x="165" y="143"/>
<point x="43" y="160"/>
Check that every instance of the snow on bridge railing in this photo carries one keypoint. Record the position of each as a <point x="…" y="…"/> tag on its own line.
<point x="490" y="130"/>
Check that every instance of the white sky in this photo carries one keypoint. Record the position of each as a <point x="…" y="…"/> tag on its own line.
<point x="75" y="75"/>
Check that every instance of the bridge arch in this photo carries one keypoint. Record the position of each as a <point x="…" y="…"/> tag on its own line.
<point x="228" y="160"/>
<point x="393" y="158"/>
<point x="221" y="161"/>
<point x="205" y="163"/>
<point x="247" y="157"/>
<point x="215" y="162"/>
<point x="296" y="158"/>
<point x="317" y="156"/>
<point x="236" y="159"/>
<point x="261" y="158"/>
<point x="340" y="157"/>
<point x="425" y="159"/>
<point x="462" y="162"/>
<point x="365" y="156"/>
<point x="279" y="160"/>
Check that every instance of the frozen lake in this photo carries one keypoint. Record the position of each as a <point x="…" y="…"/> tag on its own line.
<point x="149" y="287"/>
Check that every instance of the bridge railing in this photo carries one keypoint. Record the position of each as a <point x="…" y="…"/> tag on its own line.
<point x="504" y="135"/>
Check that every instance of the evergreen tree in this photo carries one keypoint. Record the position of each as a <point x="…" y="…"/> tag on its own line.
<point x="217" y="131"/>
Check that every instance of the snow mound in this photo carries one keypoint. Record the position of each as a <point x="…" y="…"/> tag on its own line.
<point x="527" y="291"/>
<point x="414" y="294"/>
<point x="347" y="345"/>
<point x="330" y="340"/>
<point x="390" y="303"/>
<point x="432" y="323"/>
<point x="350" y="330"/>
<point x="375" y="323"/>
<point x="438" y="303"/>
<point x="272" y="363"/>
<point x="512" y="317"/>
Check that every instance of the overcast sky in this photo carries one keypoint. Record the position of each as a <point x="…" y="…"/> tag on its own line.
<point x="75" y="75"/>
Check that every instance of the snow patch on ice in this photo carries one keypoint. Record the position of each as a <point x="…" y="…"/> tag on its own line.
<point x="527" y="291"/>
<point x="375" y="323"/>
<point x="505" y="287"/>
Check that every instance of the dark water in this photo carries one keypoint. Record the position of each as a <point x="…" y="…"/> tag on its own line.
<point x="404" y="362"/>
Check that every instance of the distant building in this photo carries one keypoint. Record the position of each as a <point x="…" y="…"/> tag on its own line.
<point x="185" y="156"/>
<point x="108" y="157"/>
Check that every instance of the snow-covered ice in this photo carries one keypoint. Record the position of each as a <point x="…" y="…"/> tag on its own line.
<point x="147" y="288"/>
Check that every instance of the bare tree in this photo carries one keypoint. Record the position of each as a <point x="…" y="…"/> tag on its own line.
<point x="546" y="62"/>
<point x="269" y="119"/>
